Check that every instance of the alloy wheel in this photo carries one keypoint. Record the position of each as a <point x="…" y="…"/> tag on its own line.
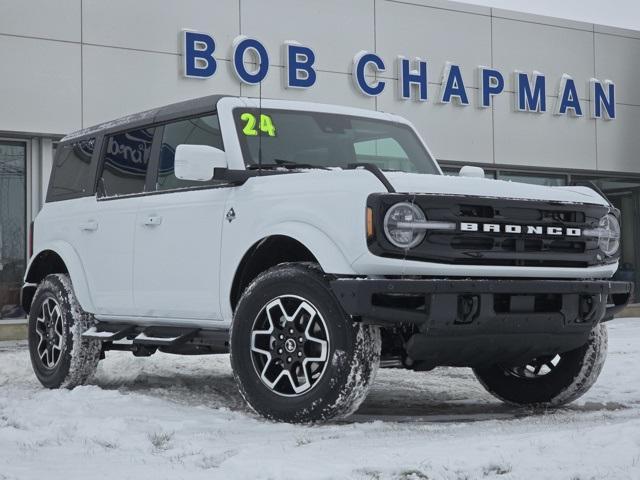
<point x="50" y="331"/>
<point x="536" y="368"/>
<point x="289" y="345"/>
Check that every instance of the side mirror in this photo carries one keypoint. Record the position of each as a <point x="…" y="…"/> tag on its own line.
<point x="198" y="162"/>
<point x="472" y="172"/>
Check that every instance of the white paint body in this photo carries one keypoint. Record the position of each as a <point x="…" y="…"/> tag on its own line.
<point x="171" y="258"/>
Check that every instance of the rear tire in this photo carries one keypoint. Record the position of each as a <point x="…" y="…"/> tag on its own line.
<point x="549" y="381"/>
<point x="60" y="357"/>
<point x="288" y="320"/>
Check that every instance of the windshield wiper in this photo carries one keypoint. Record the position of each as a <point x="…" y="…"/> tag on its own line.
<point x="375" y="170"/>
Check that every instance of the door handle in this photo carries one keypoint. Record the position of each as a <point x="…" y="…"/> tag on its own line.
<point x="90" y="226"/>
<point x="153" y="220"/>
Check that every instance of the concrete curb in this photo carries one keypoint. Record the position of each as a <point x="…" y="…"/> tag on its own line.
<point x="13" y="329"/>
<point x="632" y="310"/>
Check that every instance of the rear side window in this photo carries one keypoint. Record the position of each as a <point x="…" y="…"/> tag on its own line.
<point x="71" y="172"/>
<point x="193" y="131"/>
<point x="126" y="159"/>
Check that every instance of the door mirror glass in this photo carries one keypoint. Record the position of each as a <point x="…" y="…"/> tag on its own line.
<point x="472" y="172"/>
<point x="198" y="162"/>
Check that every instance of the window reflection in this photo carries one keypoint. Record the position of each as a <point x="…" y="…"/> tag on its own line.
<point x="125" y="162"/>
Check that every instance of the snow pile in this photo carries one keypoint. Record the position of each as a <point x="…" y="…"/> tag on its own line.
<point x="169" y="417"/>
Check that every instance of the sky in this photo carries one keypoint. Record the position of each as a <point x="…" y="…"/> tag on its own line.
<point x="616" y="13"/>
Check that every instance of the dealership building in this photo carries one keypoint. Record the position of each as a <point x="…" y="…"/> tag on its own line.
<point x="529" y="98"/>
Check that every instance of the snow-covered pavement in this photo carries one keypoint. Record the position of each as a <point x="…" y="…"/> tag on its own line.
<point x="170" y="417"/>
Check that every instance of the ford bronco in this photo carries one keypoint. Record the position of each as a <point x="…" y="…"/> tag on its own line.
<point x="314" y="243"/>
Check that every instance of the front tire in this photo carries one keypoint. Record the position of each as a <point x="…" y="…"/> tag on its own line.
<point x="549" y="381"/>
<point x="296" y="356"/>
<point x="60" y="357"/>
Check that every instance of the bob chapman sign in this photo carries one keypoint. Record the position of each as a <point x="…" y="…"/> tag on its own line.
<point x="530" y="88"/>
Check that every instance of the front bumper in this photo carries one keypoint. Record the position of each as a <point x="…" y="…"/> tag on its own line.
<point x="393" y="301"/>
<point x="475" y="322"/>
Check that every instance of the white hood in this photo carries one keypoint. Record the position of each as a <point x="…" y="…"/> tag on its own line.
<point x="483" y="187"/>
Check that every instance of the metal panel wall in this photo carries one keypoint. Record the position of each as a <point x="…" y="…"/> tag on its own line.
<point x="131" y="61"/>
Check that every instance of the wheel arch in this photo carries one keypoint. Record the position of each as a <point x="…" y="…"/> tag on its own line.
<point x="264" y="254"/>
<point x="284" y="241"/>
<point x="291" y="241"/>
<point x="57" y="257"/>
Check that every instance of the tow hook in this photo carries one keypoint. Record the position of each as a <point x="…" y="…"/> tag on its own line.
<point x="468" y="307"/>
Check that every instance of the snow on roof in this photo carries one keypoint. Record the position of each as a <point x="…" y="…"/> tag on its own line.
<point x="148" y="114"/>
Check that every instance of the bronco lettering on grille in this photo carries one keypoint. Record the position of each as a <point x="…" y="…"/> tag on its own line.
<point x="526" y="229"/>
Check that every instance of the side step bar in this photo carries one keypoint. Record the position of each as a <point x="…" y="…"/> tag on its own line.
<point x="165" y="336"/>
<point x="149" y="338"/>
<point x="109" y="333"/>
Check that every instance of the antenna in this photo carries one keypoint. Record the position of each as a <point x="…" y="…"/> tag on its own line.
<point x="260" y="129"/>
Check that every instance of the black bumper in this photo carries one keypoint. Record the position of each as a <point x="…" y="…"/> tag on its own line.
<point x="474" y="322"/>
<point x="392" y="301"/>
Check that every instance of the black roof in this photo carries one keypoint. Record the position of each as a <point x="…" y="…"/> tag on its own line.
<point x="186" y="108"/>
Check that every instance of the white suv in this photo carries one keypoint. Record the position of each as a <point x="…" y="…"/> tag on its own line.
<point x="313" y="242"/>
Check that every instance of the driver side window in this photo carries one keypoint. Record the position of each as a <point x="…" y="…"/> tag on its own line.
<point x="203" y="130"/>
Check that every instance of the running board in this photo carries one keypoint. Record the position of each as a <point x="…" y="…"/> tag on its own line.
<point x="109" y="333"/>
<point x="165" y="336"/>
<point x="179" y="339"/>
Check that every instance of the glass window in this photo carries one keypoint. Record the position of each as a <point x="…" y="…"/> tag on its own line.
<point x="193" y="131"/>
<point x="546" y="180"/>
<point x="13" y="212"/>
<point x="329" y="140"/>
<point x="387" y="153"/>
<point x="71" y="170"/>
<point x="125" y="163"/>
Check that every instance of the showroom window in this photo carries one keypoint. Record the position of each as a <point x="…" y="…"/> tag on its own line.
<point x="13" y="213"/>
<point x="535" y="179"/>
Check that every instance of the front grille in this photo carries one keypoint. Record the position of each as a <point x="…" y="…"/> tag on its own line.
<point x="489" y="248"/>
<point x="467" y="242"/>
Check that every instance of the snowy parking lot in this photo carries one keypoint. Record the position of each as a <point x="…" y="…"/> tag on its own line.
<point x="170" y="417"/>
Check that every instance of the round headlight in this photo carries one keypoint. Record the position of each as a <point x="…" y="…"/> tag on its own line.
<point x="399" y="225"/>
<point x="609" y="238"/>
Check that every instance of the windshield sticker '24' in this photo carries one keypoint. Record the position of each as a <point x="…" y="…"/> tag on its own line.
<point x="266" y="125"/>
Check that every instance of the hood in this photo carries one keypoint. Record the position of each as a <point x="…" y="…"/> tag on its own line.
<point x="484" y="187"/>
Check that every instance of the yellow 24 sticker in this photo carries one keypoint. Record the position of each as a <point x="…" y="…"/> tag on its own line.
<point x="266" y="125"/>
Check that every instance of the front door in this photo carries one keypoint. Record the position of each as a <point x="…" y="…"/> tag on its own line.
<point x="177" y="254"/>
<point x="178" y="231"/>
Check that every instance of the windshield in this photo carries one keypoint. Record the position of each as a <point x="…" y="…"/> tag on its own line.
<point x="325" y="140"/>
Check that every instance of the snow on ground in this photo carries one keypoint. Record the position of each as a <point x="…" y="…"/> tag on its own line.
<point x="170" y="417"/>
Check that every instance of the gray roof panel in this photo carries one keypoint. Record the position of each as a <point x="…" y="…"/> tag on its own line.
<point x="163" y="114"/>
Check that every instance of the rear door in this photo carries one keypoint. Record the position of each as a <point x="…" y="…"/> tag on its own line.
<point x="105" y="240"/>
<point x="178" y="231"/>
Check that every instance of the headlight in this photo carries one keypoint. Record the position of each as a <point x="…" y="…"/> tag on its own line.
<point x="608" y="233"/>
<point x="400" y="224"/>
